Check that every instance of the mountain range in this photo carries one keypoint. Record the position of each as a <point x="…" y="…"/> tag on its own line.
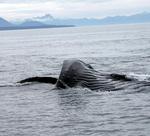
<point x="48" y="21"/>
<point x="136" y="18"/>
<point x="4" y="23"/>
<point x="27" y="24"/>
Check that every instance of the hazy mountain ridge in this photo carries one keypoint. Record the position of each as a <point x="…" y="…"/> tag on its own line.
<point x="45" y="17"/>
<point x="31" y="23"/>
<point x="136" y="18"/>
<point x="48" y="20"/>
<point x="5" y="23"/>
<point x="28" y="24"/>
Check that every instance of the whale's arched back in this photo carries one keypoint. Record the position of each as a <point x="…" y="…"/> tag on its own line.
<point x="70" y="72"/>
<point x="76" y="72"/>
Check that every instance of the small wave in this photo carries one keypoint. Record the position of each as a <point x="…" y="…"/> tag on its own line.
<point x="13" y="84"/>
<point x="8" y="85"/>
<point x="139" y="77"/>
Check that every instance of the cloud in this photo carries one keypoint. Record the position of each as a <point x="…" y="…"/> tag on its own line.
<point x="20" y="1"/>
<point x="14" y="9"/>
<point x="61" y="1"/>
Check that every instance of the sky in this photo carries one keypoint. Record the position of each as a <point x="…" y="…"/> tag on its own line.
<point x="22" y="9"/>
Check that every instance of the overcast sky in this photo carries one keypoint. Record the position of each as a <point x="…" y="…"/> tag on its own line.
<point x="18" y="9"/>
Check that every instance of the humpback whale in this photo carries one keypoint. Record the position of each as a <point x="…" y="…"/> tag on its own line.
<point x="78" y="73"/>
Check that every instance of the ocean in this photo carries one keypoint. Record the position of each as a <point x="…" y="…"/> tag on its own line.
<point x="39" y="109"/>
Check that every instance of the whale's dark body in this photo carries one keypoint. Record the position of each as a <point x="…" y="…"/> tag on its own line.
<point x="77" y="73"/>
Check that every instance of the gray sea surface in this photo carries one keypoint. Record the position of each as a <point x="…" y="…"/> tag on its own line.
<point x="40" y="110"/>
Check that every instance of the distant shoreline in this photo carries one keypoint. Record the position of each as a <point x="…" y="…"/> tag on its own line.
<point x="33" y="27"/>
